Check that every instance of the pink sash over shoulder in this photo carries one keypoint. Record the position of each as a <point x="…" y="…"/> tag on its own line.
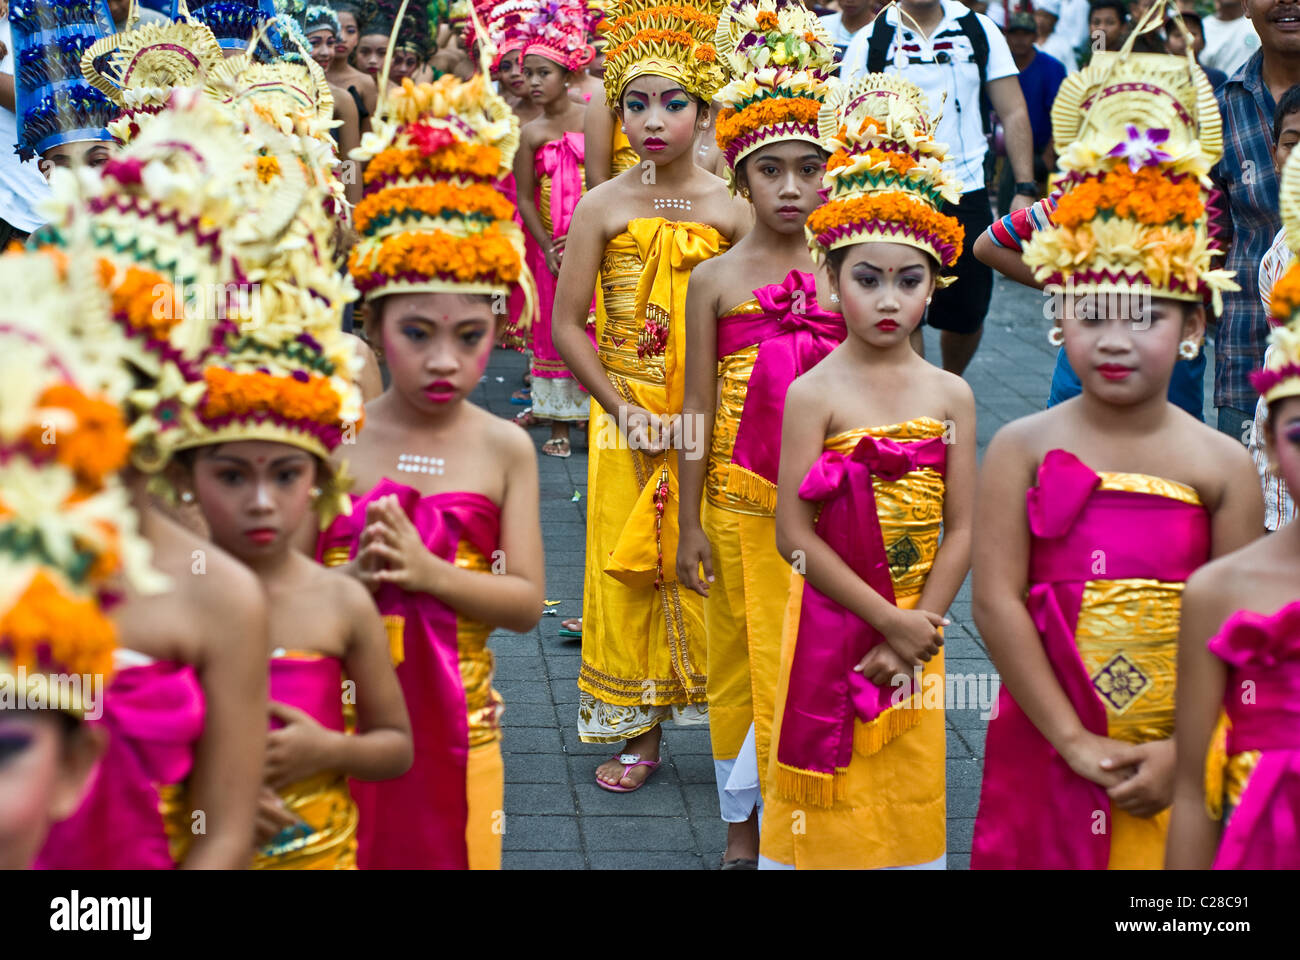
<point x="831" y="710"/>
<point x="561" y="161"/>
<point x="1263" y="656"/>
<point x="154" y="717"/>
<point x="417" y="820"/>
<point x="795" y="333"/>
<point x="1035" y="812"/>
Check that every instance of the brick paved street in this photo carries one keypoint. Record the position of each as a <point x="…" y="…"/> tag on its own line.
<point x="556" y="816"/>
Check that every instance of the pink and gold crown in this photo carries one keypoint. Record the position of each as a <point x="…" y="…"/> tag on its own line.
<point x="781" y="57"/>
<point x="1280" y="376"/>
<point x="138" y="68"/>
<point x="178" y="220"/>
<point x="1137" y="135"/>
<point x="498" y="26"/>
<point x="885" y="177"/>
<point x="67" y="530"/>
<point x="663" y="40"/>
<point x="433" y="219"/>
<point x="558" y="31"/>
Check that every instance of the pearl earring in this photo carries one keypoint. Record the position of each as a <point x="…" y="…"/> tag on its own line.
<point x="1189" y="349"/>
<point x="315" y="493"/>
<point x="1056" y="337"/>
<point x="187" y="496"/>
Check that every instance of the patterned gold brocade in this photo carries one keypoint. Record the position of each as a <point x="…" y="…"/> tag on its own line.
<point x="622" y="156"/>
<point x="476" y="662"/>
<point x="544" y="201"/>
<point x="1236" y="775"/>
<point x="910" y="508"/>
<point x="177" y="817"/>
<point x="617" y="337"/>
<point x="726" y="485"/>
<point x="327" y="837"/>
<point x="1127" y="636"/>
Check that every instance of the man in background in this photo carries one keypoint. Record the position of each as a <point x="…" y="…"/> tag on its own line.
<point x="1230" y="37"/>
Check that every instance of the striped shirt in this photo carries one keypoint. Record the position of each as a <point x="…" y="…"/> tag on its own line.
<point x="1247" y="179"/>
<point x="1016" y="227"/>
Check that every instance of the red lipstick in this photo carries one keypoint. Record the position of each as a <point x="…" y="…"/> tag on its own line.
<point x="1114" y="371"/>
<point x="440" y="391"/>
<point x="889" y="326"/>
<point x="655" y="144"/>
<point x="261" y="535"/>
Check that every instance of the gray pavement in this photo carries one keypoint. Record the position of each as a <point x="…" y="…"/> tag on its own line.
<point x="556" y="816"/>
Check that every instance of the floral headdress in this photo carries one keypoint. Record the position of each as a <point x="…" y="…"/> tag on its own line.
<point x="1280" y="376"/>
<point x="67" y="529"/>
<point x="138" y="68"/>
<point x="885" y="177"/>
<point x="558" y="31"/>
<point x="502" y="27"/>
<point x="320" y="17"/>
<point x="170" y="219"/>
<point x="1137" y="135"/>
<point x="664" y="40"/>
<point x="53" y="102"/>
<point x="781" y="56"/>
<point x="432" y="219"/>
<point x="235" y="23"/>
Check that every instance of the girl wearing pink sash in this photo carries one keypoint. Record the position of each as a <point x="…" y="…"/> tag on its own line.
<point x="1093" y="514"/>
<point x="549" y="171"/>
<point x="753" y="336"/>
<point x="873" y="512"/>
<point x="1237" y="796"/>
<point x="446" y="532"/>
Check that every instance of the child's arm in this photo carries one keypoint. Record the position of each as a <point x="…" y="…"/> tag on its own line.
<point x="227" y="772"/>
<point x="512" y="596"/>
<point x="1001" y="246"/>
<point x="998" y="587"/>
<point x="700" y="404"/>
<point x="912" y="633"/>
<point x="598" y="139"/>
<point x="1193" y="835"/>
<point x="381" y="747"/>
<point x="1238" y="517"/>
<point x="526" y="187"/>
<point x="952" y="561"/>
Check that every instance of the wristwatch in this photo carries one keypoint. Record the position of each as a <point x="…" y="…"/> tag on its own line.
<point x="1027" y="188"/>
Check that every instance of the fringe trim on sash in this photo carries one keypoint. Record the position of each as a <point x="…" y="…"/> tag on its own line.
<point x="1216" y="763"/>
<point x="810" y="786"/>
<point x="869" y="738"/>
<point x="395" y="626"/>
<point x="750" y="487"/>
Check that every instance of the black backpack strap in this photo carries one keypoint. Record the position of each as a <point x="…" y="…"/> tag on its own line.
<point x="979" y="42"/>
<point x="882" y="34"/>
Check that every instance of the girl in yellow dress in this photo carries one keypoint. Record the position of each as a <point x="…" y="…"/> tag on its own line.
<point x="755" y="320"/>
<point x="641" y="234"/>
<point x="1093" y="514"/>
<point x="877" y="457"/>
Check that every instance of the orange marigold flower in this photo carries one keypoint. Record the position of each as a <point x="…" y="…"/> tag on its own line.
<point x="433" y="199"/>
<point x="765" y="113"/>
<point x="705" y="52"/>
<point x="766" y="20"/>
<point x="892" y="207"/>
<point x="268" y="168"/>
<point x="1286" y="294"/>
<point x="144" y="300"/>
<point x="96" y="446"/>
<point x="49" y="630"/>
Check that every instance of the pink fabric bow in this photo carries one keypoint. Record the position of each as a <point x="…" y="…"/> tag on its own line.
<point x="1053" y="507"/>
<point x="825" y="693"/>
<point x="795" y="333"/>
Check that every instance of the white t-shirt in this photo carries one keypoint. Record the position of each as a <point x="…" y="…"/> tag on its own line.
<point x="940" y="64"/>
<point x="1073" y="24"/>
<point x="1061" y="48"/>
<point x="21" y="185"/>
<point x="840" y="34"/>
<point x="1279" y="508"/>
<point x="1228" y="43"/>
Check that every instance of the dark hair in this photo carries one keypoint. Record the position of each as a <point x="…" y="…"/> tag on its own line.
<point x="1119" y="6"/>
<point x="835" y="261"/>
<point x="1288" y="104"/>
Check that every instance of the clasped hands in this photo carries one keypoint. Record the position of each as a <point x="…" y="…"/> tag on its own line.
<point x="392" y="551"/>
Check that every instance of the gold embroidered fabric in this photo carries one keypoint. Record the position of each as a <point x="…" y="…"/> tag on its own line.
<point x="1145" y="483"/>
<point x="1127" y="637"/>
<point x="618" y="335"/>
<point x="734" y="371"/>
<point x="483" y="704"/>
<point x="910" y="508"/>
<point x="327" y="837"/>
<point x="178" y="825"/>
<point x="544" y="202"/>
<point x="1236" y="776"/>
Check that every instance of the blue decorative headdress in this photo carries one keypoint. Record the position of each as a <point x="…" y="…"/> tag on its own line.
<point x="54" y="102"/>
<point x="234" y="22"/>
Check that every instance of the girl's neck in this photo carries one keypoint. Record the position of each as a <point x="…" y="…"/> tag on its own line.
<point x="406" y="417"/>
<point x="272" y="569"/>
<point x="897" y="355"/>
<point x="557" y="108"/>
<point x="786" y="246"/>
<point x="1134" y="420"/>
<point x="674" y="173"/>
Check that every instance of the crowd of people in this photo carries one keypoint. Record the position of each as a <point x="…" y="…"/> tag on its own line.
<point x="254" y="536"/>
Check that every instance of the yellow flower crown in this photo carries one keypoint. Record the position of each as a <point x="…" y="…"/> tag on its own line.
<point x="1280" y="376"/>
<point x="138" y="68"/>
<point x="431" y="220"/>
<point x="885" y="177"/>
<point x="664" y="40"/>
<point x="175" y="219"/>
<point x="781" y="56"/>
<point x="67" y="529"/>
<point x="1137" y="135"/>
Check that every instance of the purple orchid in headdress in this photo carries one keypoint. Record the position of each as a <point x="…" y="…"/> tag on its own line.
<point x="1142" y="148"/>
